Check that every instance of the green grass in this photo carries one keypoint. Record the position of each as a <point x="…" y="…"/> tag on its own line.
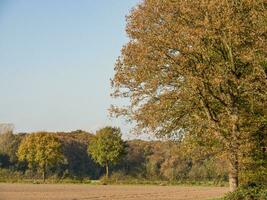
<point x="9" y="176"/>
<point x="107" y="182"/>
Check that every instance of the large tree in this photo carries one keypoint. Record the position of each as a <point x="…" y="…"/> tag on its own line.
<point x="41" y="150"/>
<point x="107" y="147"/>
<point x="196" y="67"/>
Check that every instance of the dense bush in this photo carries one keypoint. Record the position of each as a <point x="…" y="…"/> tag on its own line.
<point x="248" y="192"/>
<point x="7" y="175"/>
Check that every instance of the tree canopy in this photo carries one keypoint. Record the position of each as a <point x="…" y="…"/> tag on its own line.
<point x="9" y="143"/>
<point x="197" y="67"/>
<point x="41" y="150"/>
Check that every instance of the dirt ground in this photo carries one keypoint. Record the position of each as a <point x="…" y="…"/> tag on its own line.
<point x="107" y="192"/>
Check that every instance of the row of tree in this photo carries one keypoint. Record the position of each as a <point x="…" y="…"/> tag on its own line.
<point x="81" y="155"/>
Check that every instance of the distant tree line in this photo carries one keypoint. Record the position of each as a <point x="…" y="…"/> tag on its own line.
<point x="82" y="155"/>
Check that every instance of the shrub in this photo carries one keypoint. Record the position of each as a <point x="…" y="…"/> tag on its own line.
<point x="7" y="175"/>
<point x="248" y="192"/>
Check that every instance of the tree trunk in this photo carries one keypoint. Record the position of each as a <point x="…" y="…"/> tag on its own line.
<point x="233" y="172"/>
<point x="107" y="173"/>
<point x="233" y="150"/>
<point x="44" y="174"/>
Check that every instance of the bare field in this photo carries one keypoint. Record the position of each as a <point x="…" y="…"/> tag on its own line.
<point x="109" y="192"/>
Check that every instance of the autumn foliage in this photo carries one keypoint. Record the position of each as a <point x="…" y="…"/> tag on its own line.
<point x="198" y="68"/>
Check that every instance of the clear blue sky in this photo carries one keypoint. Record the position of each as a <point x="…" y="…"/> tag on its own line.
<point x="56" y="61"/>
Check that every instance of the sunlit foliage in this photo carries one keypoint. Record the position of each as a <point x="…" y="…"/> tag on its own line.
<point x="197" y="67"/>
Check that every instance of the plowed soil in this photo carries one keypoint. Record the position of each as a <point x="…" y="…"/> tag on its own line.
<point x="107" y="192"/>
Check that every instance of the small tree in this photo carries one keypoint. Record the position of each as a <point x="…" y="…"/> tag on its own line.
<point x="107" y="147"/>
<point x="41" y="150"/>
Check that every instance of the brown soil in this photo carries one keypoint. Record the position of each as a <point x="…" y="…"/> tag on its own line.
<point x="107" y="192"/>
